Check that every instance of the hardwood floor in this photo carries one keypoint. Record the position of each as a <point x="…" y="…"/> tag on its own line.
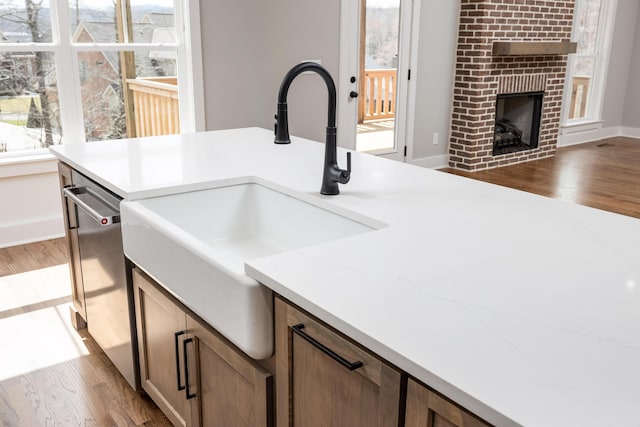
<point x="51" y="374"/>
<point x="603" y="174"/>
<point x="18" y="259"/>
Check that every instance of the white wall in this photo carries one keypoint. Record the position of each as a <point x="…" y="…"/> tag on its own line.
<point x="631" y="116"/>
<point x="31" y="209"/>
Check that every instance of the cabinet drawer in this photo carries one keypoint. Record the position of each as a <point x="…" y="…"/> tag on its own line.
<point x="325" y="379"/>
<point x="427" y="408"/>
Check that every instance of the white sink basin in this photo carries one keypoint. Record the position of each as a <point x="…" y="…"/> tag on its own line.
<point x="195" y="244"/>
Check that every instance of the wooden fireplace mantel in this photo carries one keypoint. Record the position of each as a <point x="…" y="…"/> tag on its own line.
<point x="513" y="48"/>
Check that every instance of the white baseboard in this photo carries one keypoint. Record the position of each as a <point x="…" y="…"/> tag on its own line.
<point x="433" y="162"/>
<point x="32" y="231"/>
<point x="630" y="132"/>
<point x="568" y="138"/>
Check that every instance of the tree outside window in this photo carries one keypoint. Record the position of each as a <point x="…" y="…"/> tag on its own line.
<point x="111" y="43"/>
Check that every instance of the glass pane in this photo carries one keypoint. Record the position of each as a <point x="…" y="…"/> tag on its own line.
<point x="378" y="79"/>
<point x="580" y="86"/>
<point x="153" y="23"/>
<point x="94" y="21"/>
<point x="29" y="111"/>
<point x="25" y="21"/>
<point x="586" y="25"/>
<point x="154" y="103"/>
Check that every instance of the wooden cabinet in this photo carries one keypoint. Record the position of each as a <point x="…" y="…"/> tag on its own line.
<point x="230" y="389"/>
<point x="426" y="408"/>
<point x="194" y="375"/>
<point x="323" y="379"/>
<point x="160" y="325"/>
<point x="78" y="311"/>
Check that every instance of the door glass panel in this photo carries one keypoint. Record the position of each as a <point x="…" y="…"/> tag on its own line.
<point x="378" y="75"/>
<point x="29" y="110"/>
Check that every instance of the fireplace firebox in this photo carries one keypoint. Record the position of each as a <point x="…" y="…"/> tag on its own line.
<point x="517" y="124"/>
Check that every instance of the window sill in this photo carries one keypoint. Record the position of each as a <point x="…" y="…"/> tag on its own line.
<point x="31" y="164"/>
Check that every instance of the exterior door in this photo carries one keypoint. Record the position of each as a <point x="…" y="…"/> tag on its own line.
<point x="374" y="77"/>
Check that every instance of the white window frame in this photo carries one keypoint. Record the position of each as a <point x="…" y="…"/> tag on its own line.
<point x="188" y="61"/>
<point x="593" y="117"/>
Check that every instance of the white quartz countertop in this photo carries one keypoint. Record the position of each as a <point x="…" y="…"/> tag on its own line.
<point x="523" y="309"/>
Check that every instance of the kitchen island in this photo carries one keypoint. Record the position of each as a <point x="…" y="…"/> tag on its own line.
<point x="520" y="308"/>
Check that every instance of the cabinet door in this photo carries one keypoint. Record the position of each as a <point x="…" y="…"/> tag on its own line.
<point x="71" y="231"/>
<point x="227" y="387"/>
<point x="325" y="380"/>
<point x="161" y="328"/>
<point x="426" y="408"/>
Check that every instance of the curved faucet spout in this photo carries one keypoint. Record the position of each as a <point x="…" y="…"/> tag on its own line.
<point x="332" y="174"/>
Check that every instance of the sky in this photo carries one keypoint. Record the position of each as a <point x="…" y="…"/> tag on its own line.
<point x="99" y="4"/>
<point x="383" y="3"/>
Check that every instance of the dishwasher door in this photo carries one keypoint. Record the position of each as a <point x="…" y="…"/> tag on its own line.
<point x="106" y="289"/>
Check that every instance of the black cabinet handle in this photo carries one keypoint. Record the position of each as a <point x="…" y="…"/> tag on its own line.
<point x="352" y="366"/>
<point x="353" y="94"/>
<point x="179" y="381"/>
<point x="186" y="369"/>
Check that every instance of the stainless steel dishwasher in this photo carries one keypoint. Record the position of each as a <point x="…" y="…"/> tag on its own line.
<point x="107" y="290"/>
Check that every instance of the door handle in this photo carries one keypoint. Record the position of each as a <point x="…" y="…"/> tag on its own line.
<point x="353" y="94"/>
<point x="352" y="366"/>
<point x="72" y="193"/>
<point x="186" y="369"/>
<point x="175" y="337"/>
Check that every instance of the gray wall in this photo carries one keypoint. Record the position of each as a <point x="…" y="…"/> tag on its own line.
<point x="305" y="30"/>
<point x="436" y="65"/>
<point x="234" y="56"/>
<point x="631" y="117"/>
<point x="618" y="74"/>
<point x="248" y="46"/>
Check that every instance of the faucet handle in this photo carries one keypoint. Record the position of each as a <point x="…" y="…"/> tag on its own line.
<point x="345" y="175"/>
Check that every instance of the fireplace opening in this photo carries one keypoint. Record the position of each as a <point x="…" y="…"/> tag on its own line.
<point x="517" y="122"/>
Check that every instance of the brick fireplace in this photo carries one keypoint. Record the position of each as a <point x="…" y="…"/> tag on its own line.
<point x="508" y="49"/>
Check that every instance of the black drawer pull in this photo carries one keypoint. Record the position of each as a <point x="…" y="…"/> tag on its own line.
<point x="186" y="369"/>
<point x="352" y="366"/>
<point x="179" y="381"/>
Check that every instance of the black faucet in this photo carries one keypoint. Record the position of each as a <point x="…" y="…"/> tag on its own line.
<point x="332" y="174"/>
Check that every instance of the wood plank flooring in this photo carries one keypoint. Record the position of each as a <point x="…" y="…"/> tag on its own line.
<point x="603" y="174"/>
<point x="51" y="374"/>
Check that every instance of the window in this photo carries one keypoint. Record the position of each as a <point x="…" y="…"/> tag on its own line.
<point x="86" y="70"/>
<point x="592" y="28"/>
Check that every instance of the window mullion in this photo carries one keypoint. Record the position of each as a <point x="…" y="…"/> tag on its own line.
<point x="189" y="66"/>
<point x="68" y="78"/>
